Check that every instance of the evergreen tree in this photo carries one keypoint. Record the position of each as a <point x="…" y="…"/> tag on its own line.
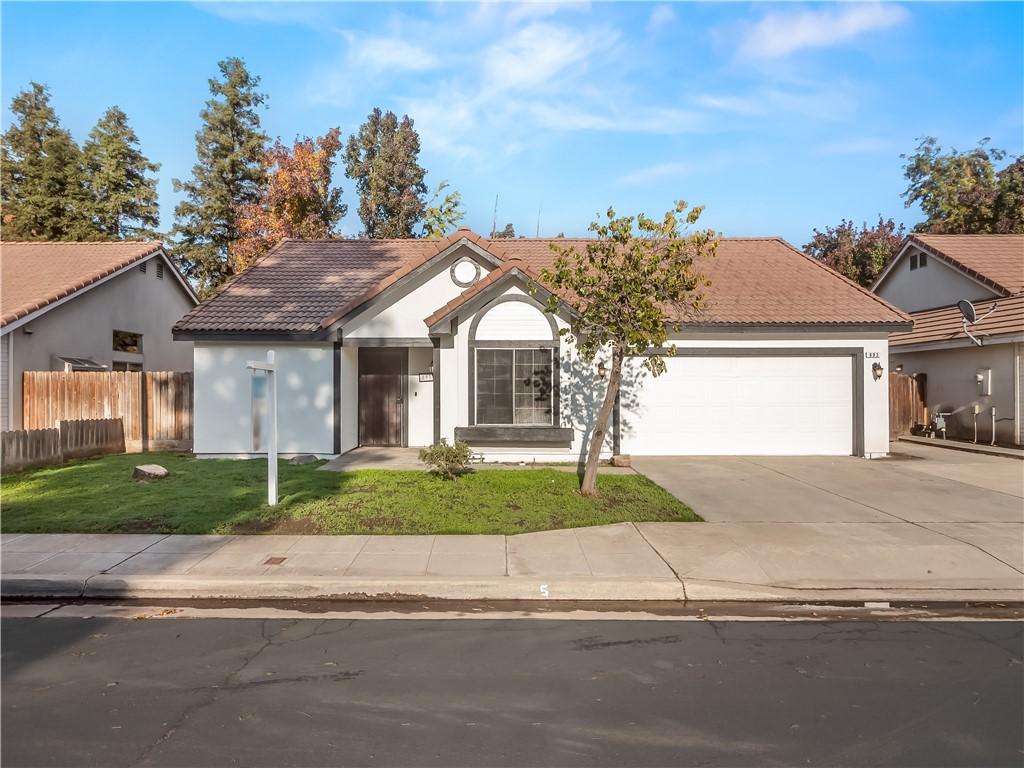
<point x="122" y="198"/>
<point x="41" y="177"/>
<point x="383" y="161"/>
<point x="228" y="175"/>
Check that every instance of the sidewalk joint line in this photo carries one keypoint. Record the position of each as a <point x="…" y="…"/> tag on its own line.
<point x="662" y="558"/>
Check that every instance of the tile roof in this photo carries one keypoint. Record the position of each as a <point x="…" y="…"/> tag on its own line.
<point x="994" y="259"/>
<point x="944" y="323"/>
<point x="510" y="266"/>
<point x="36" y="274"/>
<point x="304" y="286"/>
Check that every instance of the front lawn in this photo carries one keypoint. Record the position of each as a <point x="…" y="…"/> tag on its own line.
<point x="228" y="496"/>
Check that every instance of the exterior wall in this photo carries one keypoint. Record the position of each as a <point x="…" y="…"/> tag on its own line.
<point x="133" y="301"/>
<point x="952" y="387"/>
<point x="349" y="398"/>
<point x="403" y="317"/>
<point x="928" y="287"/>
<point x="6" y="372"/>
<point x="420" y="396"/>
<point x="305" y="398"/>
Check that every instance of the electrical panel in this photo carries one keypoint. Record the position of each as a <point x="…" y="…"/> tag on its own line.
<point x="984" y="380"/>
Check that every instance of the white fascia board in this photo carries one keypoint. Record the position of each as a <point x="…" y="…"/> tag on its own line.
<point x="54" y="304"/>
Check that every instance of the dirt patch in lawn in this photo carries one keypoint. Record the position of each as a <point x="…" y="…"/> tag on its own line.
<point x="294" y="526"/>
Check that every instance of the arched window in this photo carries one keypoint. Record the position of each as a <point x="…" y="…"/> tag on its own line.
<point x="513" y="365"/>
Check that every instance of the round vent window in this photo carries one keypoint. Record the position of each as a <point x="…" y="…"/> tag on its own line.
<point x="465" y="272"/>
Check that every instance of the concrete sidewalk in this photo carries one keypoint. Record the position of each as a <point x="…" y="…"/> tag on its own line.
<point x="648" y="561"/>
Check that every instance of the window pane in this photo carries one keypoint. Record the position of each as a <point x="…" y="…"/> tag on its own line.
<point x="494" y="386"/>
<point x="124" y="341"/>
<point x="532" y="386"/>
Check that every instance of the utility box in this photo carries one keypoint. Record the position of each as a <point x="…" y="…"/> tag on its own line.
<point x="984" y="380"/>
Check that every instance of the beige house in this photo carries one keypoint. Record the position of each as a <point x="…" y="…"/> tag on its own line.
<point x="103" y="306"/>
<point x="973" y="380"/>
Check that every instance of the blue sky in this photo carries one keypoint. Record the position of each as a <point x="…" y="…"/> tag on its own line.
<point x="778" y="117"/>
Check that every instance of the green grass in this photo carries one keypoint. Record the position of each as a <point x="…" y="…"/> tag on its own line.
<point x="227" y="496"/>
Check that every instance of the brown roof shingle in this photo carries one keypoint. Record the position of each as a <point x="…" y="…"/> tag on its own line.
<point x="944" y="323"/>
<point x="994" y="259"/>
<point x="36" y="274"/>
<point x="303" y="286"/>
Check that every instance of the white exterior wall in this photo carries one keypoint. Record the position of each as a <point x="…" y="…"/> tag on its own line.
<point x="349" y="398"/>
<point x="420" y="397"/>
<point x="952" y="387"/>
<point x="305" y="398"/>
<point x="934" y="285"/>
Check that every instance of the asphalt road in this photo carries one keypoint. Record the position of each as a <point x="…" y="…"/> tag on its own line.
<point x="218" y="692"/>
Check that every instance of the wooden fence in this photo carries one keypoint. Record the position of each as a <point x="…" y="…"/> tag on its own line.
<point x="27" y="448"/>
<point x="907" y="403"/>
<point x="155" y="407"/>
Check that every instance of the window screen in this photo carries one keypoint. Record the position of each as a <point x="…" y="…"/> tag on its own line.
<point x="514" y="386"/>
<point x="125" y="341"/>
<point x="913" y="261"/>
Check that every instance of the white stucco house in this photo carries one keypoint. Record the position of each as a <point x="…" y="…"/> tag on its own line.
<point x="970" y="379"/>
<point x="405" y="342"/>
<point x="93" y="306"/>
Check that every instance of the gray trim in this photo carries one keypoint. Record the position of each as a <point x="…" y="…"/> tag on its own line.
<point x="482" y="299"/>
<point x="382" y="341"/>
<point x="857" y="353"/>
<point x="437" y="390"/>
<point x="405" y="399"/>
<point x="515" y="434"/>
<point x="384" y="296"/>
<point x="460" y="283"/>
<point x="471" y="362"/>
<point x="337" y="397"/>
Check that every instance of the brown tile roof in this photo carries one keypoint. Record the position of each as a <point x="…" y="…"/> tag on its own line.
<point x="35" y="274"/>
<point x="997" y="260"/>
<point x="304" y="286"/>
<point x="944" y="323"/>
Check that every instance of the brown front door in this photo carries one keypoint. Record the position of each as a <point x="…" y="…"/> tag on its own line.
<point x="381" y="395"/>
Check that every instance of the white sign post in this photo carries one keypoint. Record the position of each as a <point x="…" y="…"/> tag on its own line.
<point x="269" y="368"/>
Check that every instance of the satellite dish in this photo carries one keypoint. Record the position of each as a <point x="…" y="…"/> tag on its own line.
<point x="967" y="310"/>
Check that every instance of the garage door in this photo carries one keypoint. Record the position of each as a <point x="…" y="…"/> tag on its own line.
<point x="753" y="406"/>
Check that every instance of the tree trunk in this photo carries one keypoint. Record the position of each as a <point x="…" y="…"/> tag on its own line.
<point x="589" y="486"/>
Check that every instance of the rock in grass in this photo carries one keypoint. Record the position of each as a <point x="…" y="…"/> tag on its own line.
<point x="621" y="460"/>
<point x="303" y="458"/>
<point x="150" y="472"/>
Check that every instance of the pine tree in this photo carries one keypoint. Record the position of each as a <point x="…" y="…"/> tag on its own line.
<point x="41" y="177"/>
<point x="383" y="161"/>
<point x="228" y="175"/>
<point x="122" y="198"/>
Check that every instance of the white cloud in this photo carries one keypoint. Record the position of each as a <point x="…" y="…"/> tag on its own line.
<point x="388" y="54"/>
<point x="779" y="35"/>
<point x="536" y="54"/>
<point x="653" y="173"/>
<point x="835" y="100"/>
<point x="662" y="15"/>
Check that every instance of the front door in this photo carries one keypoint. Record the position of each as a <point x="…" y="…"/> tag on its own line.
<point x="382" y="395"/>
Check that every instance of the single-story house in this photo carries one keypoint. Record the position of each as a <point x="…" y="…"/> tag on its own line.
<point x="928" y="277"/>
<point x="96" y="306"/>
<point x="405" y="342"/>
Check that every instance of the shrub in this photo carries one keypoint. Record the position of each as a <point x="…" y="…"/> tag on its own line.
<point x="447" y="460"/>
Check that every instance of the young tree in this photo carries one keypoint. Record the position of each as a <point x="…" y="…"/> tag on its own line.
<point x="859" y="254"/>
<point x="122" y="197"/>
<point x="41" y="176"/>
<point x="442" y="213"/>
<point x="629" y="288"/>
<point x="298" y="200"/>
<point x="508" y="233"/>
<point x="956" y="190"/>
<point x="227" y="176"/>
<point x="383" y="161"/>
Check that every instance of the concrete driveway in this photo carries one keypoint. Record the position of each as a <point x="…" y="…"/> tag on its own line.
<point x="917" y="483"/>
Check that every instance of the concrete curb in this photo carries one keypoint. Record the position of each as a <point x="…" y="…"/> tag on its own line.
<point x="108" y="586"/>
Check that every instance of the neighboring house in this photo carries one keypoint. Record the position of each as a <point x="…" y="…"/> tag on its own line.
<point x="405" y="342"/>
<point x="929" y="275"/>
<point x="103" y="306"/>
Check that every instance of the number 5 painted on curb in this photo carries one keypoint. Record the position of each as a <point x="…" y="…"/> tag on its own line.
<point x="544" y="590"/>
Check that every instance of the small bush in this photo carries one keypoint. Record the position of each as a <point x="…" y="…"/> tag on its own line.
<point x="447" y="460"/>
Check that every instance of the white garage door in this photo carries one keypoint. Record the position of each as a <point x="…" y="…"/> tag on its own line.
<point x="753" y="406"/>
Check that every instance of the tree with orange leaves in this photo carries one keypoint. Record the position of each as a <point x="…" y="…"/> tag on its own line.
<point x="298" y="200"/>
